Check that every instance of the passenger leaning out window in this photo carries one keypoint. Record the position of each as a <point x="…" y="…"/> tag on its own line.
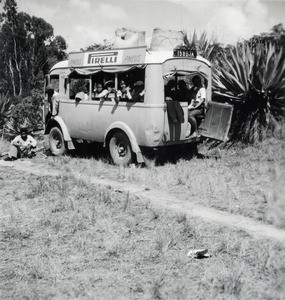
<point x="124" y="91"/>
<point x="98" y="89"/>
<point x="109" y="92"/>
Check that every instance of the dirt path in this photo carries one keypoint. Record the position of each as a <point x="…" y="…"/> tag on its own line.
<point x="163" y="200"/>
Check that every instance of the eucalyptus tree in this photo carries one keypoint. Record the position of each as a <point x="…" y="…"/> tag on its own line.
<point x="27" y="50"/>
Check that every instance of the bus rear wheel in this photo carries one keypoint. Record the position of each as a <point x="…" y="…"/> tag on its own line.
<point x="120" y="149"/>
<point x="56" y="142"/>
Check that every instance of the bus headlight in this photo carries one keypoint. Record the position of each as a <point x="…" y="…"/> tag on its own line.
<point x="188" y="130"/>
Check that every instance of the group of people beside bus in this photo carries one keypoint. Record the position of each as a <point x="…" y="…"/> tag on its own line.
<point x="135" y="94"/>
<point x="195" y="97"/>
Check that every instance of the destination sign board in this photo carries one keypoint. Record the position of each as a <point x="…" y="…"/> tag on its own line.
<point x="127" y="56"/>
<point x="185" y="52"/>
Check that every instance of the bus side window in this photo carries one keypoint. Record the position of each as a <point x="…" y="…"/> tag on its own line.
<point x="97" y="85"/>
<point x="78" y="85"/>
<point x="133" y="81"/>
<point x="54" y="81"/>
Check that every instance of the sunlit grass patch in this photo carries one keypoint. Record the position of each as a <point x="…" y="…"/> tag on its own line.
<point x="276" y="198"/>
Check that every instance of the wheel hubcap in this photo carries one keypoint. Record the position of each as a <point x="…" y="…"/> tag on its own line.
<point x="121" y="150"/>
<point x="58" y="144"/>
<point x="57" y="141"/>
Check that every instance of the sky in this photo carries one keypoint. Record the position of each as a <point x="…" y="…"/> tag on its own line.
<point x="85" y="22"/>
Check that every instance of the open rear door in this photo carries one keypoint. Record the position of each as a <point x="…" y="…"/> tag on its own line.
<point x="217" y="122"/>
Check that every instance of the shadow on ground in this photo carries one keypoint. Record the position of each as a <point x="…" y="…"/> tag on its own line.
<point x="159" y="155"/>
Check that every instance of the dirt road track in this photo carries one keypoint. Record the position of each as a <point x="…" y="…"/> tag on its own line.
<point x="163" y="200"/>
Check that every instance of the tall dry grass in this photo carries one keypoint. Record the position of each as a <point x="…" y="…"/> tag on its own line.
<point x="66" y="238"/>
<point x="240" y="179"/>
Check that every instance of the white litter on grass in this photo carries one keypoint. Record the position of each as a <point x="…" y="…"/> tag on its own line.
<point x="198" y="253"/>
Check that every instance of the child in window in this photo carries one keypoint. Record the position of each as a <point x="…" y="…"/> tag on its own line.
<point x="124" y="91"/>
<point x="98" y="89"/>
<point x="109" y="92"/>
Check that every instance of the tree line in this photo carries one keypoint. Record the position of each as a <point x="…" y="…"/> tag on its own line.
<point x="28" y="48"/>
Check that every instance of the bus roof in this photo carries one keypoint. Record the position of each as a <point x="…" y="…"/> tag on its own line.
<point x="78" y="59"/>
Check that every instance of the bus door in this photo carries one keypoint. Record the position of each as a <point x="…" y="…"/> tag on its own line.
<point x="217" y="121"/>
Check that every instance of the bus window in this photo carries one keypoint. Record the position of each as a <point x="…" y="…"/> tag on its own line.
<point x="54" y="81"/>
<point x="79" y="86"/>
<point x="182" y="85"/>
<point x="131" y="85"/>
<point x="100" y="83"/>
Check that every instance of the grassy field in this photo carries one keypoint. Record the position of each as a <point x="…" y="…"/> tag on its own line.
<point x="243" y="180"/>
<point x="64" y="238"/>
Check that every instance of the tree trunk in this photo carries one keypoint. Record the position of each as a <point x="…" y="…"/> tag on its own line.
<point x="17" y="65"/>
<point x="20" y="77"/>
<point x="12" y="77"/>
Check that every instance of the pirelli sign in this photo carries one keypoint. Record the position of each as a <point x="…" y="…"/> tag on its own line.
<point x="127" y="56"/>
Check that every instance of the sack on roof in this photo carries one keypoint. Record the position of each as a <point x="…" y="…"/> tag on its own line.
<point x="164" y="40"/>
<point x="126" y="37"/>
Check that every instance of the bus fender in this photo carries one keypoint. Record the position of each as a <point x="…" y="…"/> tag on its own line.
<point x="57" y="121"/>
<point x="127" y="130"/>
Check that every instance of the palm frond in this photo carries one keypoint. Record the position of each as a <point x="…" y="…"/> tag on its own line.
<point x="206" y="47"/>
<point x="255" y="80"/>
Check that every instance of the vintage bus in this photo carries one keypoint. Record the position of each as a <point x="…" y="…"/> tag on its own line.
<point x="128" y="125"/>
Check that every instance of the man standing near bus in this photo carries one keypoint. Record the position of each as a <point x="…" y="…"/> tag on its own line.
<point x="53" y="100"/>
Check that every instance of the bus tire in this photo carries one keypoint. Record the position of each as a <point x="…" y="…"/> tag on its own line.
<point x="120" y="149"/>
<point x="56" y="142"/>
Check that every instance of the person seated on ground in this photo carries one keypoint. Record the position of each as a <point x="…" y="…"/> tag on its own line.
<point x="124" y="91"/>
<point x="53" y="100"/>
<point x="23" y="145"/>
<point x="196" y="108"/>
<point x="183" y="94"/>
<point x="109" y="92"/>
<point x="170" y="90"/>
<point x="138" y="91"/>
<point x="98" y="89"/>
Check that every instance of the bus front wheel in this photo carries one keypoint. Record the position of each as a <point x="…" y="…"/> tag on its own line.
<point x="56" y="142"/>
<point x="120" y="149"/>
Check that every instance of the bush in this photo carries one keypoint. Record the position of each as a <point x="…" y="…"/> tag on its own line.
<point x="5" y="109"/>
<point x="254" y="81"/>
<point x="27" y="112"/>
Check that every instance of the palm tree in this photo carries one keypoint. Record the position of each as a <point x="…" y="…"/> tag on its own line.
<point x="253" y="80"/>
<point x="206" y="47"/>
